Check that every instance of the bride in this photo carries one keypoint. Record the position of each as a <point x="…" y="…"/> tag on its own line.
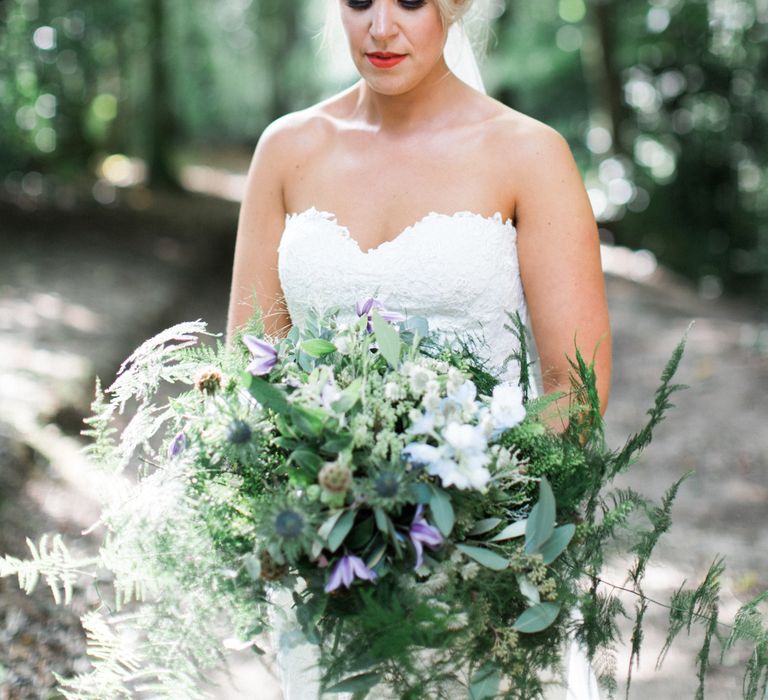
<point x="419" y="190"/>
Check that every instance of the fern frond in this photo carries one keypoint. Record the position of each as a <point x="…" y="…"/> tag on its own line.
<point x="156" y="361"/>
<point x="640" y="440"/>
<point x="52" y="561"/>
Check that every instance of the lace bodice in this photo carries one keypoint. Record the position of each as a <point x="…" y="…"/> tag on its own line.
<point x="459" y="271"/>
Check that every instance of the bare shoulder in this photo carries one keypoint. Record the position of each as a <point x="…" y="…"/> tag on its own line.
<point x="527" y="144"/>
<point x="296" y="137"/>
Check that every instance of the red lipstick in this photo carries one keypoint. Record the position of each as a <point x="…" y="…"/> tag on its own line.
<point x="385" y="59"/>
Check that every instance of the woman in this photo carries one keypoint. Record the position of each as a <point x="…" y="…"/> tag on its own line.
<point x="408" y="140"/>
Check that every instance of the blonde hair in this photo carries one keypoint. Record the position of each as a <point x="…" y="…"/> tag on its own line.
<point x="452" y="10"/>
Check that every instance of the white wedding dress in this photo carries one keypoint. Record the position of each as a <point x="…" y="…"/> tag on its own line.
<point x="459" y="271"/>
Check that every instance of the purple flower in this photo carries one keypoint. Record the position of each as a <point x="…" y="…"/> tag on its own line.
<point x="264" y="355"/>
<point x="346" y="569"/>
<point x="423" y="534"/>
<point x="178" y="445"/>
<point x="365" y="308"/>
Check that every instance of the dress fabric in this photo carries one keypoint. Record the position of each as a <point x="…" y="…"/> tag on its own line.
<point x="459" y="271"/>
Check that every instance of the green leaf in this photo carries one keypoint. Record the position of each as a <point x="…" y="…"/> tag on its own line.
<point x="557" y="543"/>
<point x="529" y="591"/>
<point x="387" y="338"/>
<point x="483" y="526"/>
<point x="377" y="555"/>
<point x="442" y="511"/>
<point x="341" y="530"/>
<point x="537" y="618"/>
<point x="381" y="519"/>
<point x="485" y="683"/>
<point x="483" y="556"/>
<point x="516" y="529"/>
<point x="337" y="443"/>
<point x="422" y="493"/>
<point x="325" y="529"/>
<point x="268" y="395"/>
<point x="356" y="684"/>
<point x="307" y="459"/>
<point x="317" y="347"/>
<point x="349" y="397"/>
<point x="541" y="521"/>
<point x="245" y="379"/>
<point x="308" y="420"/>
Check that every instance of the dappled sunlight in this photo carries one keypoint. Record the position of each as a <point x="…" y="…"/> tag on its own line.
<point x="214" y="182"/>
<point x="635" y="265"/>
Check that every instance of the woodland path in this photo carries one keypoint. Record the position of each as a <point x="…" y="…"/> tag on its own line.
<point x="78" y="291"/>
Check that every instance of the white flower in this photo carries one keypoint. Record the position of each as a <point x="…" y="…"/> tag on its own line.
<point x="329" y="394"/>
<point x="420" y="378"/>
<point x="507" y="407"/>
<point x="422" y="424"/>
<point x="431" y="400"/>
<point x="393" y="391"/>
<point x="455" y="380"/>
<point x="485" y="423"/>
<point x="465" y="438"/>
<point x="343" y="343"/>
<point x="469" y="472"/>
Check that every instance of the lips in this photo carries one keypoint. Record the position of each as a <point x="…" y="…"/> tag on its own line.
<point x="385" y="59"/>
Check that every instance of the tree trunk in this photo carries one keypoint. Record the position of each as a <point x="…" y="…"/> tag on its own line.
<point x="161" y="123"/>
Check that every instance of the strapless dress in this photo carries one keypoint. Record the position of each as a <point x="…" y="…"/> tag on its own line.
<point x="459" y="271"/>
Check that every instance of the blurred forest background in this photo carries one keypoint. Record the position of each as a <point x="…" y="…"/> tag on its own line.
<point x="126" y="129"/>
<point x="664" y="102"/>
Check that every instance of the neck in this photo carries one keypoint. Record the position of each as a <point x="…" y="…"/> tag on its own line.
<point x="427" y="103"/>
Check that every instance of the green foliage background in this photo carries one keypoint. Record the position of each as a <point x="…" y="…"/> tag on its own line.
<point x="664" y="102"/>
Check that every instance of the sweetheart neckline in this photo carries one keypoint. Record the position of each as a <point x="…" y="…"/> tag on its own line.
<point x="329" y="217"/>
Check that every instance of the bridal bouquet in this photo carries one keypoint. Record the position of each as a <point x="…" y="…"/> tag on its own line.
<point x="436" y="535"/>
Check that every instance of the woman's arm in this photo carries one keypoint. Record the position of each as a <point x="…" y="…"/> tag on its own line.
<point x="260" y="225"/>
<point x="559" y="253"/>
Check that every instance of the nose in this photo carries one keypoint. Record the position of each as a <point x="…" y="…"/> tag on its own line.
<point x="383" y="24"/>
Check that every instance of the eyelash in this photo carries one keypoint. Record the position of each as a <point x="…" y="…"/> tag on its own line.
<point x="365" y="4"/>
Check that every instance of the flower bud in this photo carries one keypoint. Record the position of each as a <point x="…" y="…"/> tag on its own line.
<point x="335" y="477"/>
<point x="208" y="381"/>
<point x="270" y="569"/>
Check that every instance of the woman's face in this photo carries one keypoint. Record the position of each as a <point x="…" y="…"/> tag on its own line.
<point x="395" y="44"/>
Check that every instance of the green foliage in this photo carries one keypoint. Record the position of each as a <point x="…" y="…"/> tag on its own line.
<point x="257" y="480"/>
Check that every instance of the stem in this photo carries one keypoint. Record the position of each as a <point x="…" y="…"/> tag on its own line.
<point x="642" y="596"/>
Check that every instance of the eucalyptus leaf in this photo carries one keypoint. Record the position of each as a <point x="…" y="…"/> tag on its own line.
<point x="442" y="511"/>
<point x="325" y="529"/>
<point x="305" y="361"/>
<point x="376" y="555"/>
<point x="341" y="530"/>
<point x="268" y="395"/>
<point x="557" y="543"/>
<point x="317" y="347"/>
<point x="516" y="529"/>
<point x="416" y="324"/>
<point x="485" y="683"/>
<point x="541" y="521"/>
<point x="483" y="556"/>
<point x="422" y="493"/>
<point x="483" y="526"/>
<point x="529" y="591"/>
<point x="387" y="338"/>
<point x="356" y="684"/>
<point x="537" y="618"/>
<point x="382" y="519"/>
